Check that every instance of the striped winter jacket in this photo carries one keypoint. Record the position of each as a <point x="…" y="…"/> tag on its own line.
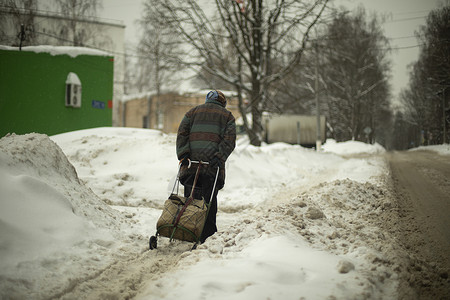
<point x="206" y="131"/>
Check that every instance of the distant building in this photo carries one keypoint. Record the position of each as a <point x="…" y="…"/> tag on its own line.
<point x="51" y="90"/>
<point x="293" y="129"/>
<point x="166" y="111"/>
<point x="41" y="28"/>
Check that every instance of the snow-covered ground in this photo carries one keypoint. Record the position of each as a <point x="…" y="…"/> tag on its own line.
<point x="292" y="222"/>
<point x="352" y="147"/>
<point x="440" y="149"/>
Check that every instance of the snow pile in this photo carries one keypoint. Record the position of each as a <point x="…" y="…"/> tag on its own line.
<point x="352" y="147"/>
<point x="292" y="222"/>
<point x="440" y="149"/>
<point x="318" y="245"/>
<point x="128" y="97"/>
<point x="45" y="214"/>
<point x="138" y="167"/>
<point x="255" y="172"/>
<point x="123" y="166"/>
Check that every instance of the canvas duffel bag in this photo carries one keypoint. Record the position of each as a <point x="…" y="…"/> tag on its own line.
<point x="190" y="225"/>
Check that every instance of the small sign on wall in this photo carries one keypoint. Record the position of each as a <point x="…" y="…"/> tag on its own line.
<point x="98" y="104"/>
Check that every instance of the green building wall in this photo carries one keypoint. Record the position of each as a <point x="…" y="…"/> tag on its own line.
<point x="33" y="87"/>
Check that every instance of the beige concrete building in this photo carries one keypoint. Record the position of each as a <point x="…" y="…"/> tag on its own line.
<point x="166" y="111"/>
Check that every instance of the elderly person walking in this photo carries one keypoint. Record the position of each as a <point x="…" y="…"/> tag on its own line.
<point x="207" y="133"/>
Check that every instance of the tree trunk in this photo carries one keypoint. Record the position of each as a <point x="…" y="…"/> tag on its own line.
<point x="249" y="131"/>
<point x="255" y="140"/>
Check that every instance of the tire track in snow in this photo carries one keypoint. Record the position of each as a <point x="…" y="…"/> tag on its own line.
<point x="124" y="278"/>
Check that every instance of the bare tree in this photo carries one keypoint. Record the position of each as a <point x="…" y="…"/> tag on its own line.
<point x="23" y="15"/>
<point x="404" y="134"/>
<point x="260" y="32"/>
<point x="75" y="12"/>
<point x="417" y="109"/>
<point x="355" y="74"/>
<point x="427" y="97"/>
<point x="159" y="50"/>
<point x="158" y="62"/>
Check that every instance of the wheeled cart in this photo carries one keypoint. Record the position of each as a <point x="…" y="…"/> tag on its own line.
<point x="183" y="218"/>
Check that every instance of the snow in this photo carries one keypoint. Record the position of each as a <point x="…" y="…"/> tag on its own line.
<point x="292" y="222"/>
<point x="148" y="94"/>
<point x="440" y="149"/>
<point x="72" y="78"/>
<point x="129" y="97"/>
<point x="59" y="50"/>
<point x="49" y="221"/>
<point x="269" y="268"/>
<point x="352" y="147"/>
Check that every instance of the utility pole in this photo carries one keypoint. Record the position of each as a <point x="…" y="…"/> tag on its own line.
<point x="444" y="117"/>
<point x="21" y="36"/>
<point x="316" y="91"/>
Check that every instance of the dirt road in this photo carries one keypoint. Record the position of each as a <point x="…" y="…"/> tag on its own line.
<point x="421" y="182"/>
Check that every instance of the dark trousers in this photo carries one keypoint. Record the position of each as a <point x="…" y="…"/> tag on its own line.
<point x="203" y="189"/>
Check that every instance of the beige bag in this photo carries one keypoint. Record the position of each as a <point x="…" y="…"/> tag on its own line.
<point x="190" y="225"/>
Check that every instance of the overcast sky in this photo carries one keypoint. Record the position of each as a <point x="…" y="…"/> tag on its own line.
<point x="405" y="17"/>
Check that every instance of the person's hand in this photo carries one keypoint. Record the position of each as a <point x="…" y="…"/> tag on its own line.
<point x="184" y="161"/>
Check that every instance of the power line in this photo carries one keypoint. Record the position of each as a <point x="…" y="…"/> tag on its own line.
<point x="120" y="5"/>
<point x="135" y="55"/>
<point x="407" y="47"/>
<point x="412" y="12"/>
<point x="50" y="14"/>
<point x="86" y="45"/>
<point x="402" y="37"/>
<point x="406" y="19"/>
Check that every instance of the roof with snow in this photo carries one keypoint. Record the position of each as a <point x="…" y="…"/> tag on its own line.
<point x="59" y="50"/>
<point x="192" y="92"/>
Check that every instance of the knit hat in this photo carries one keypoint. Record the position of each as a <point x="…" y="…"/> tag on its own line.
<point x="217" y="96"/>
<point x="222" y="99"/>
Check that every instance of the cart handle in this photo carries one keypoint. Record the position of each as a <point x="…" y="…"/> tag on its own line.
<point x="214" y="187"/>
<point x="196" y="162"/>
<point x="177" y="181"/>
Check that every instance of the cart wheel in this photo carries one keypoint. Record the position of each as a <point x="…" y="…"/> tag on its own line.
<point x="153" y="243"/>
